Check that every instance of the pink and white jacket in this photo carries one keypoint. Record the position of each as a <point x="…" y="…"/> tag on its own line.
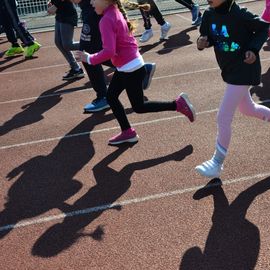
<point x="118" y="44"/>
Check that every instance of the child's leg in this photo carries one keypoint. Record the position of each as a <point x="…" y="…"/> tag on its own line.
<point x="155" y="12"/>
<point x="248" y="107"/>
<point x="24" y="35"/>
<point x="8" y="27"/>
<point x="133" y="85"/>
<point x="232" y="98"/>
<point x="146" y="19"/>
<point x="187" y="3"/>
<point x="132" y="82"/>
<point x="116" y="87"/>
<point x="65" y="32"/>
<point x="194" y="9"/>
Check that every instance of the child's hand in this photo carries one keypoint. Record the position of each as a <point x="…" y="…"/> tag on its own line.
<point x="81" y="56"/>
<point x="202" y="42"/>
<point x="250" y="57"/>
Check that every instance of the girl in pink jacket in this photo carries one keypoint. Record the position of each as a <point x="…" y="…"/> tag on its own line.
<point x="120" y="46"/>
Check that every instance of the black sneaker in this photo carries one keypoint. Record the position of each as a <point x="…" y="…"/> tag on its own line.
<point x="73" y="74"/>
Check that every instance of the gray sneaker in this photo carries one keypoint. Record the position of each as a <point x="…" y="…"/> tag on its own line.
<point x="146" y="35"/>
<point x="164" y="30"/>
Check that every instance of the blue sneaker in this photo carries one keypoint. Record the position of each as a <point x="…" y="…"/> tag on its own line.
<point x="97" y="105"/>
<point x="150" y="70"/>
<point x="195" y="13"/>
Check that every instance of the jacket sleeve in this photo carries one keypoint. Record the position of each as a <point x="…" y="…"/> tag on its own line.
<point x="108" y="36"/>
<point x="204" y="27"/>
<point x="258" y="27"/>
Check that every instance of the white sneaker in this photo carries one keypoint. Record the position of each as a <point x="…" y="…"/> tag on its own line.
<point x="147" y="34"/>
<point x="164" y="30"/>
<point x="209" y="169"/>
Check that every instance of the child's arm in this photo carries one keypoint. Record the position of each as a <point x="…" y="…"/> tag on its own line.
<point x="258" y="27"/>
<point x="108" y="37"/>
<point x="203" y="40"/>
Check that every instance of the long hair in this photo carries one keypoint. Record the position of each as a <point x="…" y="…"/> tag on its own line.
<point x="130" y="5"/>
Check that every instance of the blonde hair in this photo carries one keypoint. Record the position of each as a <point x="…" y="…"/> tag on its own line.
<point x="130" y="5"/>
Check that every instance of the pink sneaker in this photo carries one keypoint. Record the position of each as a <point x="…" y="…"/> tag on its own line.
<point x="128" y="135"/>
<point x="184" y="106"/>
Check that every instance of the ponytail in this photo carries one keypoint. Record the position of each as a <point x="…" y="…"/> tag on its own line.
<point x="130" y="6"/>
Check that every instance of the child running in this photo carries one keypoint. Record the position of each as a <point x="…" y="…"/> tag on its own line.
<point x="121" y="47"/>
<point x="90" y="41"/>
<point x="155" y="12"/>
<point x="11" y="25"/>
<point x="65" y="20"/>
<point x="237" y="36"/>
<point x="165" y="26"/>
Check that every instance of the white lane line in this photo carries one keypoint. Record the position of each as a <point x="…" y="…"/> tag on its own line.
<point x="152" y="197"/>
<point x="184" y="18"/>
<point x="44" y="96"/>
<point x="32" y="69"/>
<point x="83" y="90"/>
<point x="97" y="131"/>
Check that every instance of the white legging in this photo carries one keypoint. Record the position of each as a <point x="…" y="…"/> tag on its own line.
<point x="237" y="96"/>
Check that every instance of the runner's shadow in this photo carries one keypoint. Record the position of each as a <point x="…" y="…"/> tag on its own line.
<point x="233" y="241"/>
<point x="33" y="112"/>
<point x="46" y="182"/>
<point x="14" y="63"/>
<point x="177" y="41"/>
<point x="262" y="91"/>
<point x="110" y="186"/>
<point x="173" y="42"/>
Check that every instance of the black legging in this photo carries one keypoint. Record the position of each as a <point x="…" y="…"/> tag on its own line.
<point x="90" y="41"/>
<point x="155" y="12"/>
<point x="132" y="82"/>
<point x="11" y="23"/>
<point x="188" y="4"/>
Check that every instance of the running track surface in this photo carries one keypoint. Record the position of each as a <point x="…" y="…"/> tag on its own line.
<point x="70" y="201"/>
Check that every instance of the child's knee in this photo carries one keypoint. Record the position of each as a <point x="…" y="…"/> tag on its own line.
<point x="245" y="110"/>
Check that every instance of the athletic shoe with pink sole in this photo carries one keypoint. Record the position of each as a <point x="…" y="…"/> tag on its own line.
<point x="128" y="135"/>
<point x="184" y="106"/>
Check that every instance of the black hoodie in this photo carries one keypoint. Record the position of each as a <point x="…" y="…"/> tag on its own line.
<point x="66" y="12"/>
<point x="233" y="31"/>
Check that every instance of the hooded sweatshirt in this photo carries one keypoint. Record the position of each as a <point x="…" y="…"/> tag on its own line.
<point x="233" y="31"/>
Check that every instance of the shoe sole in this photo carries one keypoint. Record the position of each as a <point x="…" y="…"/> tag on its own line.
<point x="74" y="77"/>
<point x="96" y="110"/>
<point x="185" y="97"/>
<point x="15" y="54"/>
<point x="131" y="140"/>
<point x="150" y="77"/>
<point x="198" y="170"/>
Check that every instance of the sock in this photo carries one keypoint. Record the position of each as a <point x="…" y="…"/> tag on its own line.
<point x="219" y="154"/>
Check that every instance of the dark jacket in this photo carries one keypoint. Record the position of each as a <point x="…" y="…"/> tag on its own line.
<point x="66" y="12"/>
<point x="233" y="31"/>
